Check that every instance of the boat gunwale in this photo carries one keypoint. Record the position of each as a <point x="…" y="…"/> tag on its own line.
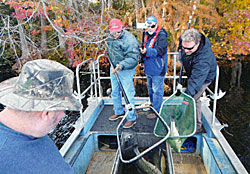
<point x="214" y="131"/>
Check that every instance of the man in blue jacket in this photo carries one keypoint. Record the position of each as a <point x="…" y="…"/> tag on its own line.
<point x="123" y="51"/>
<point x="200" y="65"/>
<point x="155" y="62"/>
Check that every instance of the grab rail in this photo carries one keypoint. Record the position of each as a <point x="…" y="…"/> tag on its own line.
<point x="96" y="81"/>
<point x="79" y="94"/>
<point x="174" y="77"/>
<point x="215" y="94"/>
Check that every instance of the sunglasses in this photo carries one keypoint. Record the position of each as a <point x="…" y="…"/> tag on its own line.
<point x="116" y="32"/>
<point x="188" y="48"/>
<point x="151" y="26"/>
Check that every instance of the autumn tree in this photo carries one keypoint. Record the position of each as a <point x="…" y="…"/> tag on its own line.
<point x="232" y="34"/>
<point x="58" y="30"/>
<point x="174" y="15"/>
<point x="70" y="31"/>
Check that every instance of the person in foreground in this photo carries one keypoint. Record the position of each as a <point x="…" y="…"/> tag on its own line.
<point x="200" y="64"/>
<point x="123" y="51"/>
<point x="155" y="59"/>
<point x="34" y="102"/>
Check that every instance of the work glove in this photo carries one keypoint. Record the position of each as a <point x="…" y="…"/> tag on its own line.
<point x="117" y="69"/>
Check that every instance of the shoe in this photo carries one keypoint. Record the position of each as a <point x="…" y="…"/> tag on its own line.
<point x="115" y="117"/>
<point x="151" y="116"/>
<point x="129" y="124"/>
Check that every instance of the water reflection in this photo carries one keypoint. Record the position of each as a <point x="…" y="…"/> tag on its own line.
<point x="236" y="74"/>
<point x="234" y="107"/>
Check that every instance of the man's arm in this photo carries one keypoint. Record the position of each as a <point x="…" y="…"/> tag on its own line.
<point x="160" y="48"/>
<point x="198" y="76"/>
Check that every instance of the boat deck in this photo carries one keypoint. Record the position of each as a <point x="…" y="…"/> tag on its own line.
<point x="188" y="163"/>
<point x="143" y="125"/>
<point x="143" y="129"/>
<point x="101" y="163"/>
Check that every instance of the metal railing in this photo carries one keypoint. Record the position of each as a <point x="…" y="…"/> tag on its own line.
<point x="80" y="94"/>
<point x="174" y="77"/>
<point x="95" y="81"/>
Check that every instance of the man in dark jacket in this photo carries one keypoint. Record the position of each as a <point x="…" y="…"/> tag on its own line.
<point x="123" y="51"/>
<point x="155" y="61"/>
<point x="200" y="65"/>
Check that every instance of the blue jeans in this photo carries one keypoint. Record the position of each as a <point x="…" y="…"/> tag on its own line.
<point x="126" y="78"/>
<point x="155" y="86"/>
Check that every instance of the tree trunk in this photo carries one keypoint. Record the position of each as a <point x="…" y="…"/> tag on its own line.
<point x="24" y="44"/>
<point x="102" y="11"/>
<point x="43" y="36"/>
<point x="110" y="4"/>
<point x="137" y="9"/>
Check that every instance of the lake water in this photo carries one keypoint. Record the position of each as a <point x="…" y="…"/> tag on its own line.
<point x="234" y="108"/>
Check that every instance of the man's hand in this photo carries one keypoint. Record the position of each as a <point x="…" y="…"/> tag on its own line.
<point x="117" y="69"/>
<point x="143" y="51"/>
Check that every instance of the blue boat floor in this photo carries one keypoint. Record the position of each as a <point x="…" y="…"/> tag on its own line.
<point x="143" y="124"/>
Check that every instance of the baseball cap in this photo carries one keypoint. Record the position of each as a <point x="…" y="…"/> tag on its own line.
<point x="115" y="25"/>
<point x="151" y="20"/>
<point x="42" y="85"/>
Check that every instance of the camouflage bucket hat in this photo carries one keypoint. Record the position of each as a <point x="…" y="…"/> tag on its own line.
<point x="42" y="85"/>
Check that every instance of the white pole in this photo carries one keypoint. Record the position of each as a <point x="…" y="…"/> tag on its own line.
<point x="215" y="95"/>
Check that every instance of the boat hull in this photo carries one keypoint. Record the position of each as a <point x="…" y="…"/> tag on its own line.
<point x="209" y="146"/>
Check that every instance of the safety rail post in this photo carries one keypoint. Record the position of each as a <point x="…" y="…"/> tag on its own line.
<point x="78" y="86"/>
<point x="99" y="76"/>
<point x="94" y="80"/>
<point x="91" y="89"/>
<point x="215" y="95"/>
<point x="174" y="75"/>
<point x="174" y="83"/>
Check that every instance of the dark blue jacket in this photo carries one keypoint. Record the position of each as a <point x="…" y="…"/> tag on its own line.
<point x="124" y="50"/>
<point x="156" y="58"/>
<point x="200" y="66"/>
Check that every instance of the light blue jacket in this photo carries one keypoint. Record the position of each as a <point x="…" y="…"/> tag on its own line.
<point x="124" y="50"/>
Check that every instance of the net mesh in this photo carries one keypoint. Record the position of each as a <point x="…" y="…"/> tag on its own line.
<point x="181" y="110"/>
